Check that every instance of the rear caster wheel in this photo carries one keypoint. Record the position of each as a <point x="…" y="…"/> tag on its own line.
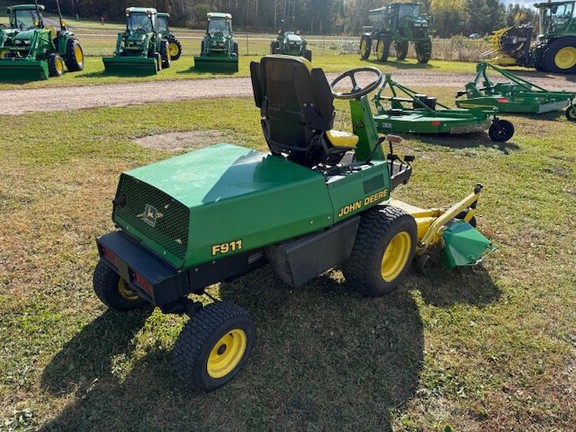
<point x="423" y="263"/>
<point x="501" y="130"/>
<point x="214" y="346"/>
<point x="113" y="291"/>
<point x="571" y="113"/>
<point x="383" y="251"/>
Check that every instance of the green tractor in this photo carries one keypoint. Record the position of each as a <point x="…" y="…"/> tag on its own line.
<point x="30" y="50"/>
<point x="554" y="50"/>
<point x="318" y="199"/>
<point x="290" y="43"/>
<point x="140" y="49"/>
<point x="174" y="45"/>
<point x="398" y="23"/>
<point x="218" y="50"/>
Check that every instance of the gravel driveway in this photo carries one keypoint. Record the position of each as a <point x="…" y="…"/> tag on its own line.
<point x="18" y="102"/>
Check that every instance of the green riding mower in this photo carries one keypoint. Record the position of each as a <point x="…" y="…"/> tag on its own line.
<point x="30" y="50"/>
<point x="402" y="110"/>
<point x="290" y="43"/>
<point x="218" y="50"/>
<point x="514" y="96"/>
<point x="318" y="199"/>
<point x="140" y="49"/>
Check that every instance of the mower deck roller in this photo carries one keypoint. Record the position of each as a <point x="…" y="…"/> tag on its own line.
<point x="131" y="65"/>
<point x="23" y="69"/>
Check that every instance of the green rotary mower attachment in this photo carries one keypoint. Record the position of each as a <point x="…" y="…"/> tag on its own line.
<point x="219" y="50"/>
<point x="29" y="50"/>
<point x="403" y="110"/>
<point x="515" y="96"/>
<point x="319" y="198"/>
<point x="140" y="49"/>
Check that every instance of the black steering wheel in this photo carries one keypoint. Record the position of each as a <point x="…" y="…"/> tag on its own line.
<point x="357" y="91"/>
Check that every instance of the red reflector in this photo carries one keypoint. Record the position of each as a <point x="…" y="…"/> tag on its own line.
<point x="502" y="100"/>
<point x="139" y="279"/>
<point x="109" y="255"/>
<point x="436" y="123"/>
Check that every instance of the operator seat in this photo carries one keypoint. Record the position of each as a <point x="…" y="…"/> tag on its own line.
<point x="296" y="105"/>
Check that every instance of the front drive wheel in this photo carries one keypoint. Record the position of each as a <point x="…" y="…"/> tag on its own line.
<point x="113" y="291"/>
<point x="55" y="65"/>
<point x="383" y="251"/>
<point x="502" y="131"/>
<point x="214" y="346"/>
<point x="365" y="47"/>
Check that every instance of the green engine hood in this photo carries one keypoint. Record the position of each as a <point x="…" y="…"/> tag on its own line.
<point x="219" y="201"/>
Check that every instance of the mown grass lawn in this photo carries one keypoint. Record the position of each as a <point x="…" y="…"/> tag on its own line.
<point x="478" y="349"/>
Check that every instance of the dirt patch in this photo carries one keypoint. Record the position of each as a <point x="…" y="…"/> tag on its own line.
<point x="178" y="141"/>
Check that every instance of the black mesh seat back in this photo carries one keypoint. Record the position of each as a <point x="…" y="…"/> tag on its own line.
<point x="296" y="103"/>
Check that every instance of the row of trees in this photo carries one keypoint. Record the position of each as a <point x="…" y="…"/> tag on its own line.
<point x="452" y="17"/>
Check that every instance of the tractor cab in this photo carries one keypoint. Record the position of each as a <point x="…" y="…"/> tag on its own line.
<point x="555" y="17"/>
<point x="26" y="17"/>
<point x="140" y="20"/>
<point x="219" y="23"/>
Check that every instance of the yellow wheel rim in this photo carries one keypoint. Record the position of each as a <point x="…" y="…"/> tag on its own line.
<point x="380" y="49"/>
<point x="59" y="65"/>
<point x="78" y="54"/>
<point x="364" y="47"/>
<point x="126" y="292"/>
<point x="396" y="256"/>
<point x="227" y="353"/>
<point x="565" y="58"/>
<point x="173" y="49"/>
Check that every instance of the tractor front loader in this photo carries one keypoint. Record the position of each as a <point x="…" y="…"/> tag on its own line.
<point x="140" y="49"/>
<point x="318" y="199"/>
<point x="218" y="50"/>
<point x="29" y="50"/>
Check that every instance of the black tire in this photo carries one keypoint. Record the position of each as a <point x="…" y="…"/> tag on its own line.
<point x="382" y="49"/>
<point x="560" y="56"/>
<point x="214" y="346"/>
<point x="502" y="131"/>
<point x="423" y="51"/>
<point x="165" y="54"/>
<point x="174" y="48"/>
<point x="55" y="65"/>
<point x="401" y="50"/>
<point x="274" y="47"/>
<point x="571" y="113"/>
<point x="365" y="47"/>
<point x="113" y="291"/>
<point x="308" y="55"/>
<point x="74" y="58"/>
<point x="383" y="251"/>
<point x="235" y="48"/>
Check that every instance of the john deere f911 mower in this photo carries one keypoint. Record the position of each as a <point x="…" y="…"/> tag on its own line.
<point x="140" y="49"/>
<point x="30" y="50"/>
<point x="218" y="50"/>
<point x="320" y="198"/>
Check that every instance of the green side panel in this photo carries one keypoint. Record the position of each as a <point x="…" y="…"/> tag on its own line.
<point x="423" y="123"/>
<point x="360" y="190"/>
<point x="216" y="64"/>
<point x="23" y="70"/>
<point x="127" y="65"/>
<point x="218" y="201"/>
<point x="464" y="245"/>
